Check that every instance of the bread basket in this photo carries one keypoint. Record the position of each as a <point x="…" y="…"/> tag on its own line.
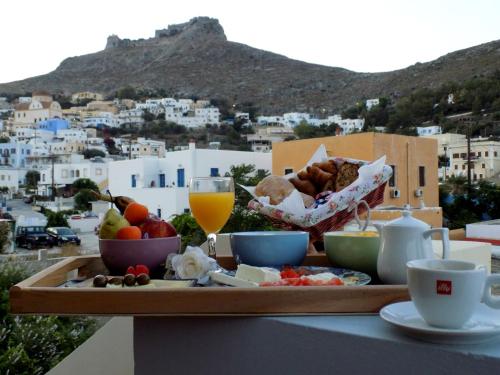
<point x="338" y="209"/>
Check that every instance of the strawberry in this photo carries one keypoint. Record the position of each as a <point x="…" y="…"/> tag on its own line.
<point x="131" y="270"/>
<point x="141" y="268"/>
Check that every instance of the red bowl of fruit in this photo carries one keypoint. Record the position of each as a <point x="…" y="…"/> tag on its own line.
<point x="135" y="238"/>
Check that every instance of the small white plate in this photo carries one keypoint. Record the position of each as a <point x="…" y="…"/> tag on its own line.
<point x="483" y="326"/>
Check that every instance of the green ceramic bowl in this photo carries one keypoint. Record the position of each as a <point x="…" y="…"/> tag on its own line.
<point x="352" y="250"/>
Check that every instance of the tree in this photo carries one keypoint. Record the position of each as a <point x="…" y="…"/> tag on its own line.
<point x="85" y="183"/>
<point x="83" y="200"/>
<point x="55" y="219"/>
<point x="127" y="92"/>
<point x="32" y="178"/>
<point x="92" y="153"/>
<point x="4" y="235"/>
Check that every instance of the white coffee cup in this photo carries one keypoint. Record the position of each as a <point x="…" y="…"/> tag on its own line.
<point x="447" y="292"/>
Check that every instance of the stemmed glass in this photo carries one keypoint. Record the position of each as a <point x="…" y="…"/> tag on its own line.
<point x="211" y="200"/>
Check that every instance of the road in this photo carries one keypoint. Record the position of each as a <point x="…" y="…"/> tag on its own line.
<point x="89" y="243"/>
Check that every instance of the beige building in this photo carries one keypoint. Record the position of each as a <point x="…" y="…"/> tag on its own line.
<point x="41" y="108"/>
<point x="102" y="106"/>
<point x="413" y="159"/>
<point x="485" y="156"/>
<point x="86" y="95"/>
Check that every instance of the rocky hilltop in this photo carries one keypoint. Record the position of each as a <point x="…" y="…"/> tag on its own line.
<point x="196" y="59"/>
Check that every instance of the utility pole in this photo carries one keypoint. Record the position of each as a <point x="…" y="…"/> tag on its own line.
<point x="469" y="182"/>
<point x="53" y="192"/>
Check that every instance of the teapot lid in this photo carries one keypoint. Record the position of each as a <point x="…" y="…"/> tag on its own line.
<point x="407" y="220"/>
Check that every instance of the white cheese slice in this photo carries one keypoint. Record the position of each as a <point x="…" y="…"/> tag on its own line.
<point x="231" y="280"/>
<point x="324" y="276"/>
<point x="257" y="274"/>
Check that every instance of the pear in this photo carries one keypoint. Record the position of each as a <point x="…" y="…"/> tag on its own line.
<point x="111" y="224"/>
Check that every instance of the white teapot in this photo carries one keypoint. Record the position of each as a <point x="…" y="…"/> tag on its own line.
<point x="402" y="240"/>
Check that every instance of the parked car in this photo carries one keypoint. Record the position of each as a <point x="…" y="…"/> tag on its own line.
<point x="32" y="237"/>
<point x="61" y="235"/>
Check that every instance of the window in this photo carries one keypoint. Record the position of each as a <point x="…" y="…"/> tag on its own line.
<point x="463" y="167"/>
<point x="64" y="173"/>
<point x="456" y="156"/>
<point x="480" y="176"/>
<point x="288" y="170"/>
<point x="475" y="176"/>
<point x="479" y="154"/>
<point x="77" y="173"/>
<point x="214" y="172"/>
<point x="133" y="181"/>
<point x="162" y="180"/>
<point x="486" y="154"/>
<point x="421" y="176"/>
<point x="98" y="171"/>
<point x="72" y="173"/>
<point x="495" y="154"/>
<point x="456" y="166"/>
<point x="463" y="155"/>
<point x="483" y="166"/>
<point x="392" y="180"/>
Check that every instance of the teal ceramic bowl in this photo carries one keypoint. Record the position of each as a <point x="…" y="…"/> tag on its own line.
<point x="269" y="249"/>
<point x="352" y="250"/>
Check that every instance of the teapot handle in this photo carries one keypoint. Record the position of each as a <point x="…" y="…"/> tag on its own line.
<point x="362" y="227"/>
<point x="444" y="237"/>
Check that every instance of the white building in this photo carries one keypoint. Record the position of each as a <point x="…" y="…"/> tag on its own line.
<point x="102" y="119"/>
<point x="142" y="147"/>
<point x="11" y="178"/>
<point x="351" y="125"/>
<point x="293" y="119"/>
<point x="24" y="134"/>
<point x="77" y="135"/>
<point x="131" y="117"/>
<point x="210" y="115"/>
<point x="270" y="120"/>
<point x="372" y="103"/>
<point x="65" y="174"/>
<point x="162" y="183"/>
<point x="428" y="130"/>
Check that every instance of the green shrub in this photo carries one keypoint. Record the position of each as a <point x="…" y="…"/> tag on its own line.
<point x="34" y="344"/>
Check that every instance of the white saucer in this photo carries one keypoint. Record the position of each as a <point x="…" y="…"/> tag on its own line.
<point x="483" y="326"/>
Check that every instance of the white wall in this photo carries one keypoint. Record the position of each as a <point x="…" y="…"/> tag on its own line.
<point x="195" y="162"/>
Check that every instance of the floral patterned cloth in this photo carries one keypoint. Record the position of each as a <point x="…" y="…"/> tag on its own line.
<point x="370" y="178"/>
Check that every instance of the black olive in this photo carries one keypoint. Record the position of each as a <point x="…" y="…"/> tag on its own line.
<point x="142" y="279"/>
<point x="129" y="279"/>
<point x="100" y="281"/>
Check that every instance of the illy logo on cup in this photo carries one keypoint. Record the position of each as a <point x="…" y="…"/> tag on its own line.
<point x="443" y="287"/>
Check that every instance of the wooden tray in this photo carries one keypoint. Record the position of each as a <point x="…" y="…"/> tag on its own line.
<point x="40" y="294"/>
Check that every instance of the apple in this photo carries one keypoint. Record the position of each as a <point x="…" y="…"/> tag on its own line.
<point x="154" y="227"/>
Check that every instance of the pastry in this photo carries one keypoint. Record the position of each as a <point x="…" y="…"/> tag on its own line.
<point x="275" y="187"/>
<point x="321" y="179"/>
<point x="328" y="166"/>
<point x="304" y="186"/>
<point x="347" y="174"/>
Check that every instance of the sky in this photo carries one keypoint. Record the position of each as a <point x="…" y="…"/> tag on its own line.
<point x="364" y="36"/>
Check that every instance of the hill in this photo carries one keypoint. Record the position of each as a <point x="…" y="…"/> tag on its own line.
<point x="196" y="59"/>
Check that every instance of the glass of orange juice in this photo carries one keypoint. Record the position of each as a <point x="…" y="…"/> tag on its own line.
<point x="211" y="200"/>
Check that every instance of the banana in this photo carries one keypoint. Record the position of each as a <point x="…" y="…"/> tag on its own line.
<point x="121" y="202"/>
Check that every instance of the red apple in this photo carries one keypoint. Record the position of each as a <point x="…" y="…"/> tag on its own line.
<point x="154" y="227"/>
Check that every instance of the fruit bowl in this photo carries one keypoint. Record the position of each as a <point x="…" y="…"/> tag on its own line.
<point x="354" y="250"/>
<point x="118" y="255"/>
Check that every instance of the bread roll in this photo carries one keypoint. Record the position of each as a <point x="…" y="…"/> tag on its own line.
<point x="348" y="173"/>
<point x="277" y="188"/>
